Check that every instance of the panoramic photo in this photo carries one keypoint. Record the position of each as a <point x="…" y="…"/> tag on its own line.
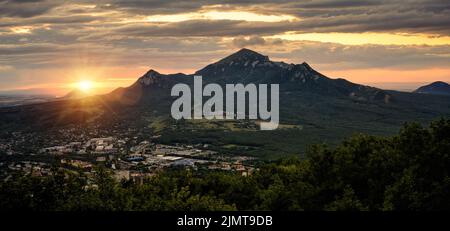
<point x="227" y="105"/>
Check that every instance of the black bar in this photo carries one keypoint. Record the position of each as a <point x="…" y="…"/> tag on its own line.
<point x="278" y="220"/>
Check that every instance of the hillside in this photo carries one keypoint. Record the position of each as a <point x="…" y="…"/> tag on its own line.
<point x="436" y="88"/>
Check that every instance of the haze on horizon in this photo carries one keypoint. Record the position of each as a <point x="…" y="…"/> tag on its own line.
<point x="51" y="46"/>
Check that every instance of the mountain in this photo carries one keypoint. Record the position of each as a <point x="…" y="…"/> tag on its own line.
<point x="147" y="90"/>
<point x="247" y="66"/>
<point x="313" y="109"/>
<point x="74" y="94"/>
<point x="436" y="88"/>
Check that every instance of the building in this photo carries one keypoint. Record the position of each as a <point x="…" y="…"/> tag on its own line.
<point x="121" y="175"/>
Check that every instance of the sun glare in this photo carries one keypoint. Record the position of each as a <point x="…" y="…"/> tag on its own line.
<point x="85" y="85"/>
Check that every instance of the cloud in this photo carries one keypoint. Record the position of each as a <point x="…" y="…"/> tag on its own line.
<point x="50" y="20"/>
<point x="332" y="56"/>
<point x="326" y="4"/>
<point x="153" y="6"/>
<point x="405" y="16"/>
<point x="244" y="42"/>
<point x="204" y="28"/>
<point x="25" y="9"/>
<point x="431" y="16"/>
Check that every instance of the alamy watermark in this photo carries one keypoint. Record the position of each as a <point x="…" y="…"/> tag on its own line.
<point x="213" y="108"/>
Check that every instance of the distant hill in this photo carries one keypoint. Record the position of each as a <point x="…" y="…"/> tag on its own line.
<point x="75" y="94"/>
<point x="436" y="88"/>
<point x="17" y="100"/>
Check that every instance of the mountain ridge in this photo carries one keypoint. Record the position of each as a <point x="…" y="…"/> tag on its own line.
<point x="436" y="88"/>
<point x="247" y="66"/>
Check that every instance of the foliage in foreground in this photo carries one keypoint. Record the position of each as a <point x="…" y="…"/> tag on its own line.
<point x="409" y="171"/>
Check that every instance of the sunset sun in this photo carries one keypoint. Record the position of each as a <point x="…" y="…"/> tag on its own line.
<point x="85" y="85"/>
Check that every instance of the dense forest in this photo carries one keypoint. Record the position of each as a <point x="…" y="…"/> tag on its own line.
<point x="409" y="171"/>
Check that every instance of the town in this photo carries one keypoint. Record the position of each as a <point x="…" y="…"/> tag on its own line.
<point x="127" y="158"/>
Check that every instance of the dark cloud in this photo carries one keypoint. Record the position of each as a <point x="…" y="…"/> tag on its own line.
<point x="333" y="4"/>
<point x="431" y="16"/>
<point x="148" y="7"/>
<point x="152" y="6"/>
<point x="204" y="28"/>
<point x="25" y="9"/>
<point x="51" y="20"/>
<point x="409" y="16"/>
<point x="422" y="16"/>
<point x="245" y="42"/>
<point x="14" y="50"/>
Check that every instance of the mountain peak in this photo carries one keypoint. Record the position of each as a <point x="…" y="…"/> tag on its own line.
<point x="244" y="55"/>
<point x="439" y="83"/>
<point x="150" y="77"/>
<point x="438" y="88"/>
<point x="245" y="51"/>
<point x="307" y="66"/>
<point x="151" y="73"/>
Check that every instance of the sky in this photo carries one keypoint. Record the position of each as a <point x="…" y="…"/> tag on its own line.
<point x="49" y="46"/>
